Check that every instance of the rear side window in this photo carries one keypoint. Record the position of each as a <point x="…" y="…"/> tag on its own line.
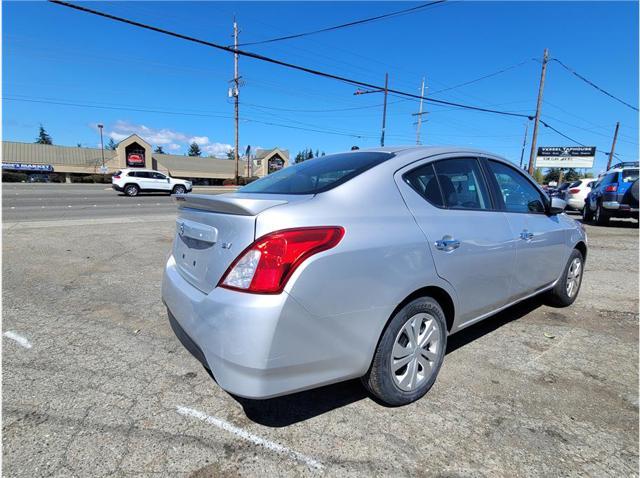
<point x="132" y="174"/>
<point x="461" y="184"/>
<point x="423" y="180"/>
<point x="316" y="175"/>
<point x="575" y="184"/>
<point x="629" y="175"/>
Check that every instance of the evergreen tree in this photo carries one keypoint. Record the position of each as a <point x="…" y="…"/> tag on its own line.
<point x="231" y="154"/>
<point x="111" y="144"/>
<point x="159" y="150"/>
<point x="309" y="154"/>
<point x="43" y="137"/>
<point x="194" y="149"/>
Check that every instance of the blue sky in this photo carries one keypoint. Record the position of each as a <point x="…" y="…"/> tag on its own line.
<point x="172" y="92"/>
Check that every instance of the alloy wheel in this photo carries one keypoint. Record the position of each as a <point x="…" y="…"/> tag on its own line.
<point x="416" y="351"/>
<point x="573" y="277"/>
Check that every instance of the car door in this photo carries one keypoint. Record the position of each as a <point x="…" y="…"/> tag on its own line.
<point x="471" y="242"/>
<point x="144" y="180"/>
<point x="161" y="182"/>
<point x="541" y="239"/>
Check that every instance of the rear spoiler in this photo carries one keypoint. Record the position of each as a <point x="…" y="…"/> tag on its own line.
<point x="226" y="203"/>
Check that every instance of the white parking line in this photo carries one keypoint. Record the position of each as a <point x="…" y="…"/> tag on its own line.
<point x="18" y="338"/>
<point x="255" y="439"/>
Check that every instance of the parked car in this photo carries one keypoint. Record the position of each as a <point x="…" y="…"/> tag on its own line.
<point x="559" y="191"/>
<point x="38" y="178"/>
<point x="361" y="264"/>
<point x="615" y="194"/>
<point x="134" y="181"/>
<point x="577" y="193"/>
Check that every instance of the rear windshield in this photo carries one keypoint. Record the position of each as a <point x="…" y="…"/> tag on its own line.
<point x="629" y="175"/>
<point x="316" y="175"/>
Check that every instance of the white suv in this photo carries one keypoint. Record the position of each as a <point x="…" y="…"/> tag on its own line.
<point x="134" y="181"/>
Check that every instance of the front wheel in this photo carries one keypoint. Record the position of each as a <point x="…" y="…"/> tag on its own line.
<point x="566" y="290"/>
<point x="410" y="353"/>
<point x="131" y="190"/>
<point x="179" y="189"/>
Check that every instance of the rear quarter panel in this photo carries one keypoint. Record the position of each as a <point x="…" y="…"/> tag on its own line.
<point x="382" y="258"/>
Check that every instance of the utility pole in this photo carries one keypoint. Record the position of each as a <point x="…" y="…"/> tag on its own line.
<point x="534" y="138"/>
<point x="613" y="145"/>
<point x="524" y="143"/>
<point x="384" y="110"/>
<point x="100" y="126"/>
<point x="236" y="95"/>
<point x="384" y="90"/>
<point x="420" y="113"/>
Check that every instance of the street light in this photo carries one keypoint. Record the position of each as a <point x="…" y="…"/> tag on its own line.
<point x="100" y="126"/>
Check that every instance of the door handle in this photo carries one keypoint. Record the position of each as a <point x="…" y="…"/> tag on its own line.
<point x="526" y="235"/>
<point x="447" y="243"/>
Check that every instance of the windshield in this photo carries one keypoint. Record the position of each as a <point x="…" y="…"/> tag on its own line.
<point x="629" y="175"/>
<point x="316" y="175"/>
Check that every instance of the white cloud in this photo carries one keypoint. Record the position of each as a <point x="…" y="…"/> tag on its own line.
<point x="171" y="139"/>
<point x="217" y="149"/>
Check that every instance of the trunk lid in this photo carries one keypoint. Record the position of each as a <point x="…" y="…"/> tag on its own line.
<point x="212" y="230"/>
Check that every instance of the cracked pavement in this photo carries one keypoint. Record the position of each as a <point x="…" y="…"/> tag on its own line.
<point x="96" y="395"/>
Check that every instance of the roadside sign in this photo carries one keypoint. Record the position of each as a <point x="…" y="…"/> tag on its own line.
<point x="28" y="167"/>
<point x="104" y="170"/>
<point x="566" y="157"/>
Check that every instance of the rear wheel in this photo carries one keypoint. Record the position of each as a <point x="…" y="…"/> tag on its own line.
<point x="179" y="189"/>
<point x="410" y="353"/>
<point x="587" y="215"/>
<point x="131" y="190"/>
<point x="601" y="216"/>
<point x="566" y="290"/>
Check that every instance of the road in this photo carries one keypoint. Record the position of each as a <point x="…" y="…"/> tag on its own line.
<point x="96" y="384"/>
<point x="45" y="202"/>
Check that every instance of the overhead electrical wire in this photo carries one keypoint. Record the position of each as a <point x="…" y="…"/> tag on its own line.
<point x="495" y="73"/>
<point x="591" y="83"/>
<point x="344" y="25"/>
<point x="282" y="63"/>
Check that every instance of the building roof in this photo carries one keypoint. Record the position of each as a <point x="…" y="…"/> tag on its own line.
<point x="34" y="153"/>
<point x="179" y="165"/>
<point x="263" y="153"/>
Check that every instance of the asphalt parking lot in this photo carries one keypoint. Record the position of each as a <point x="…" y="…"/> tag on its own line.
<point x="96" y="384"/>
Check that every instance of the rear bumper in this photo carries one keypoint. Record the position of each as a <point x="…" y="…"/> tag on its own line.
<point x="617" y="209"/>
<point x="575" y="203"/>
<point x="256" y="346"/>
<point x="117" y="188"/>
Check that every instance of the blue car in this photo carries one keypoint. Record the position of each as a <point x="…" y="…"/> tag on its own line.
<point x="615" y="194"/>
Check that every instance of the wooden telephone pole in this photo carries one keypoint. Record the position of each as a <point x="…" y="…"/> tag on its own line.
<point x="613" y="145"/>
<point x="236" y="95"/>
<point x="524" y="143"/>
<point x="534" y="137"/>
<point x="384" y="110"/>
<point x="420" y="113"/>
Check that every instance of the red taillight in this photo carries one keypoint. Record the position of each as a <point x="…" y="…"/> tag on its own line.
<point x="574" y="191"/>
<point x="266" y="265"/>
<point x="116" y="177"/>
<point x="611" y="188"/>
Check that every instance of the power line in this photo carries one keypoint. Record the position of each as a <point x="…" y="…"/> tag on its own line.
<point x="482" y="77"/>
<point x="354" y="134"/>
<point x="280" y="62"/>
<point x="345" y="25"/>
<point x="589" y="82"/>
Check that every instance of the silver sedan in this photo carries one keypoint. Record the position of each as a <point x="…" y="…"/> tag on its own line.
<point x="361" y="264"/>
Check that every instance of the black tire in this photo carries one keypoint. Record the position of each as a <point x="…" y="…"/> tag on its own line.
<point x="131" y="190"/>
<point x="587" y="214"/>
<point x="601" y="216"/>
<point x="179" y="189"/>
<point x="381" y="380"/>
<point x="559" y="295"/>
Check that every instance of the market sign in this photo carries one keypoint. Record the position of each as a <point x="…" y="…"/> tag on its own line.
<point x="28" y="167"/>
<point x="566" y="157"/>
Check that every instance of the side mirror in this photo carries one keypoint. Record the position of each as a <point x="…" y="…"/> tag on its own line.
<point x="168" y="180"/>
<point x="557" y="206"/>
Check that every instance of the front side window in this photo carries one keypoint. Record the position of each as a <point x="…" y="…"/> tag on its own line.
<point x="461" y="184"/>
<point x="518" y="193"/>
<point x="159" y="176"/>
